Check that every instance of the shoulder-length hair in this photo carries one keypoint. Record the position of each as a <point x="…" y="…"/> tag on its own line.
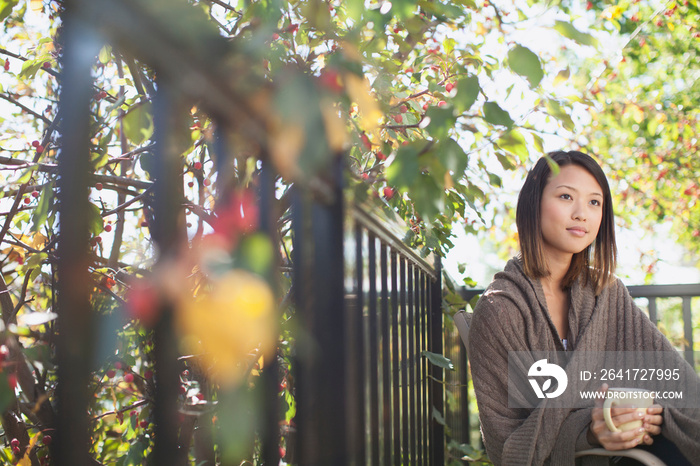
<point x="595" y="264"/>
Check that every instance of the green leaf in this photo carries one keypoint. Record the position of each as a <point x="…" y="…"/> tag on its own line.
<point x="404" y="169"/>
<point x="555" y="109"/>
<point x="30" y="67"/>
<point x="41" y="211"/>
<point x="138" y="124"/>
<point x="95" y="222"/>
<point x="514" y="142"/>
<point x="526" y="63"/>
<point x="570" y="32"/>
<point x="453" y="156"/>
<point x="467" y="92"/>
<point x="437" y="415"/>
<point x="105" y="55"/>
<point x="6" y="7"/>
<point x="442" y="119"/>
<point x="438" y="360"/>
<point x="495" y="115"/>
<point x="6" y="396"/>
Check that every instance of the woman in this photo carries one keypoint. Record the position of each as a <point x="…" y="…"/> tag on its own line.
<point x="559" y="295"/>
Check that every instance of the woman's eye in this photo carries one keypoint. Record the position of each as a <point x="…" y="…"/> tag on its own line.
<point x="565" y="196"/>
<point x="595" y="202"/>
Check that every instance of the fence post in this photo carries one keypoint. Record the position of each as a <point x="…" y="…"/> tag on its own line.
<point x="168" y="196"/>
<point x="322" y="428"/>
<point x="437" y="402"/>
<point x="75" y="338"/>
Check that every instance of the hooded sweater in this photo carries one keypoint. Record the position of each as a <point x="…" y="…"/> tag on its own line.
<point x="512" y="316"/>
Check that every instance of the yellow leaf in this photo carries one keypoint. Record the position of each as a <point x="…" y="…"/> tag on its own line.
<point x="26" y="460"/>
<point x="36" y="5"/>
<point x="635" y="112"/>
<point x="224" y="326"/>
<point x="336" y="131"/>
<point x="285" y="149"/>
<point x="449" y="183"/>
<point x="360" y="92"/>
<point x="562" y="76"/>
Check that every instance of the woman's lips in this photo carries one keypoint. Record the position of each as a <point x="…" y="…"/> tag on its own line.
<point x="576" y="231"/>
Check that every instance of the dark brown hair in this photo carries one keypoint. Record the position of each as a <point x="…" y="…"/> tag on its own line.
<point x="596" y="263"/>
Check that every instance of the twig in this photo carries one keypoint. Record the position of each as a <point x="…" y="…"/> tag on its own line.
<point x="25" y="108"/>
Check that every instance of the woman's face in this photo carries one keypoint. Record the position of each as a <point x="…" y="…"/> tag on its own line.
<point x="571" y="211"/>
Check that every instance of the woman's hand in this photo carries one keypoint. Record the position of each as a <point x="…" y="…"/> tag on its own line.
<point x="599" y="432"/>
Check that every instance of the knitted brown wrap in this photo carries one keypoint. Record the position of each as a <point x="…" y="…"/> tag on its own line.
<point x="512" y="316"/>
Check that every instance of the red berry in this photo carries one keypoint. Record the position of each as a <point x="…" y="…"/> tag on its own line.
<point x="99" y="186"/>
<point x="659" y="22"/>
<point x="634" y="18"/>
<point x="449" y="87"/>
<point x="283" y="452"/>
<point x="134" y="413"/>
<point x="128" y="378"/>
<point x="103" y="94"/>
<point x="7" y="65"/>
<point x="16" y="450"/>
<point x="118" y="365"/>
<point x="409" y="70"/>
<point x="183" y="390"/>
<point x="144" y="223"/>
<point x="425" y="106"/>
<point x="380" y="155"/>
<point x="206" y="182"/>
<point x="14" y="442"/>
<point x="275" y="36"/>
<point x="365" y="176"/>
<point x="108" y="228"/>
<point x="442" y="103"/>
<point x="365" y="141"/>
<point x="197" y="165"/>
<point x="143" y="424"/>
<point x="27" y="200"/>
<point x="389" y="192"/>
<point x="403" y="109"/>
<point x="190" y="184"/>
<point x="589" y="6"/>
<point x="35" y="143"/>
<point x="47" y="440"/>
<point x="4" y="352"/>
<point x="12" y="380"/>
<point x="111" y="373"/>
<point x="46" y="65"/>
<point x="397" y="118"/>
<point x="35" y="194"/>
<point x="148" y="374"/>
<point x="39" y="149"/>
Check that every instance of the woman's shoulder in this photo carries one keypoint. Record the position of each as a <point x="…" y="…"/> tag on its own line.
<point x="505" y="297"/>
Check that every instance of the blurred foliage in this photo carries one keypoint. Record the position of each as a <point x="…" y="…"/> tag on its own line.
<point x="431" y="104"/>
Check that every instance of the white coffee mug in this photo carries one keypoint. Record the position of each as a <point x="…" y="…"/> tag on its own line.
<point x="626" y="398"/>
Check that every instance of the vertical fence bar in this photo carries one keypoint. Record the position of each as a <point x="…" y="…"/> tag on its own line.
<point x="373" y="353"/>
<point x="356" y="381"/>
<point x="464" y="393"/>
<point x="424" y="365"/>
<point x="405" y="426"/>
<point x="437" y="440"/>
<point x="270" y="432"/>
<point x="395" y="358"/>
<point x="75" y="338"/>
<point x="688" y="331"/>
<point x="418" y="387"/>
<point x="652" y="311"/>
<point x="411" y="365"/>
<point x="168" y="196"/>
<point x="322" y="387"/>
<point x="386" y="356"/>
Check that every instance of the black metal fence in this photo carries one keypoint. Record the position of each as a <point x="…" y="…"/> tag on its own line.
<point x="369" y="306"/>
